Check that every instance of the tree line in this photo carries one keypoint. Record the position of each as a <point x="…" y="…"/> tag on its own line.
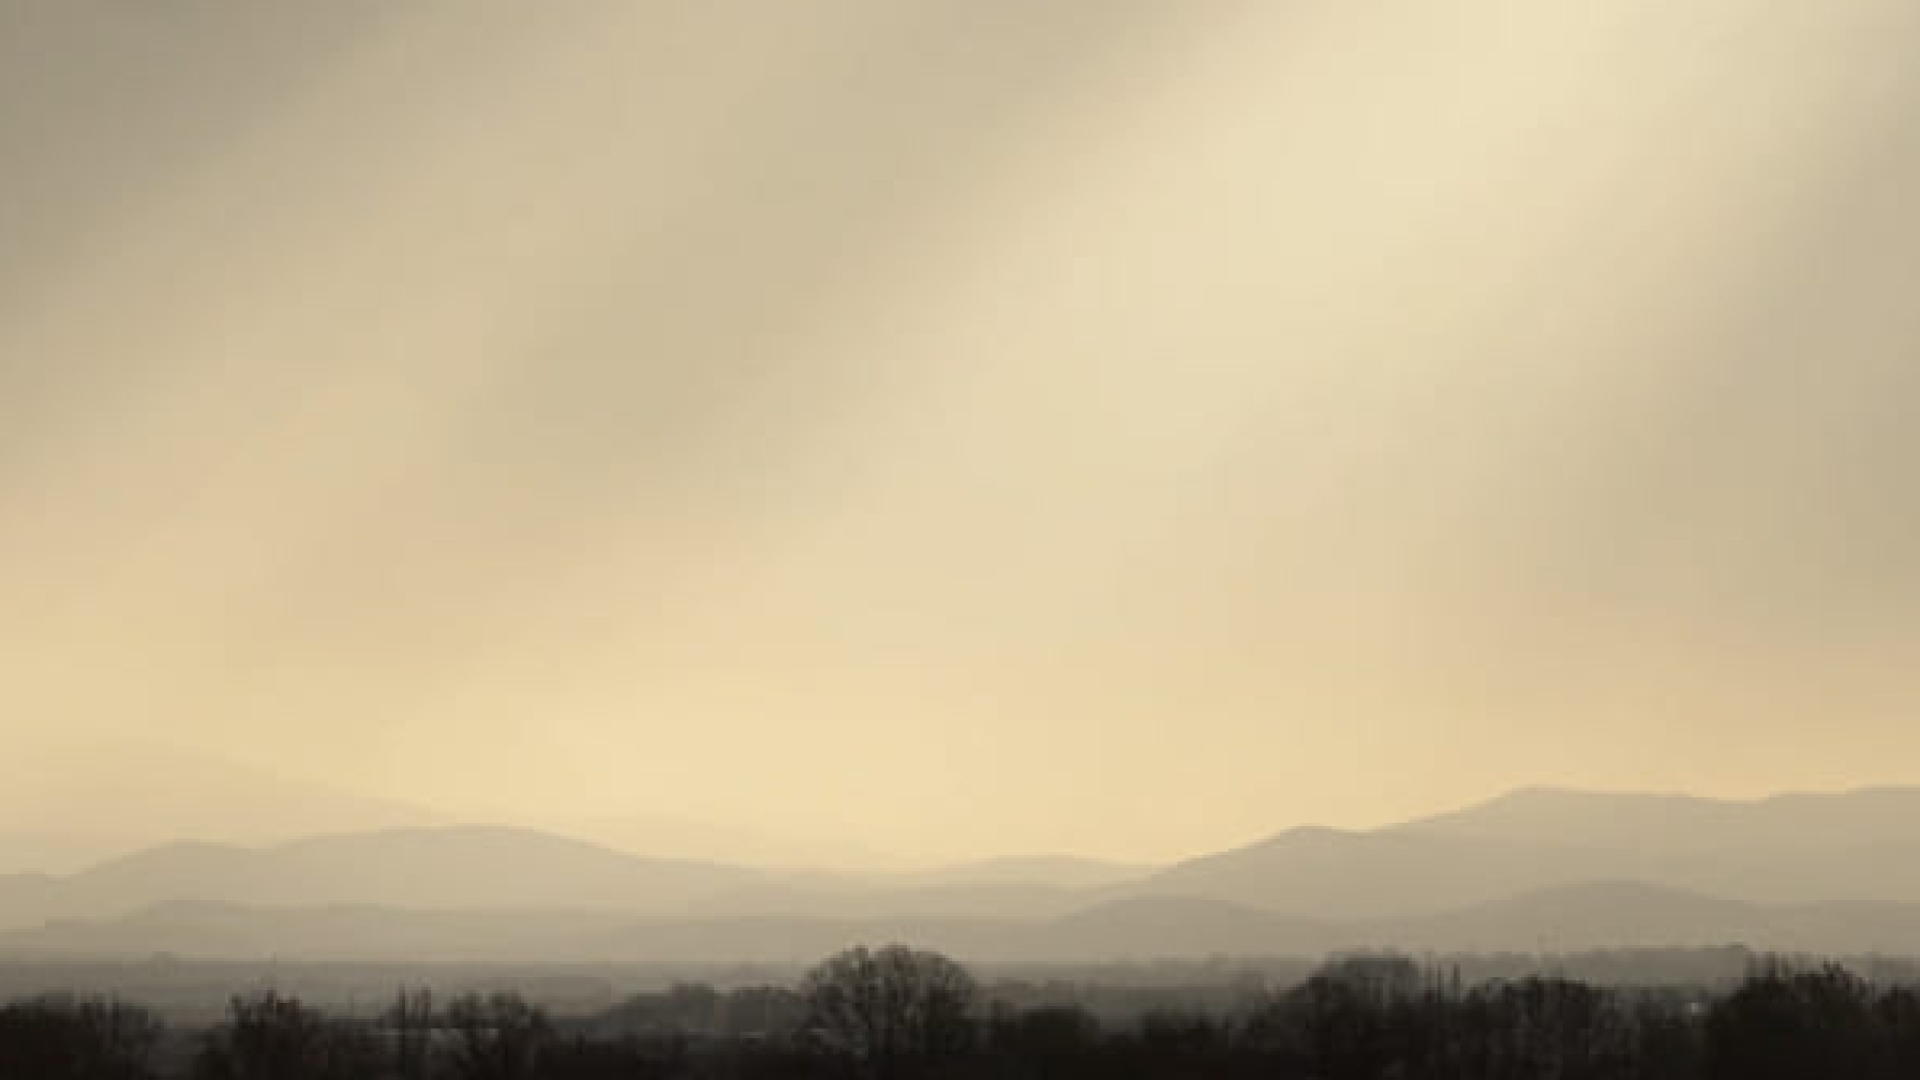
<point x="898" y="1013"/>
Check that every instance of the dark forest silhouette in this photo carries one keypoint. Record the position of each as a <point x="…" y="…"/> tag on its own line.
<point x="901" y="1013"/>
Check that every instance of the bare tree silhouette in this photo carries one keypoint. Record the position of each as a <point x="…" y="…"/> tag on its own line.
<point x="885" y="1009"/>
<point x="498" y="1037"/>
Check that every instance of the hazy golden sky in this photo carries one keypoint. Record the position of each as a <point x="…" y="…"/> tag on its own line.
<point x="960" y="427"/>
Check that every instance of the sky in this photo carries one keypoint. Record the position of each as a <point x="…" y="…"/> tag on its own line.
<point x="958" y="429"/>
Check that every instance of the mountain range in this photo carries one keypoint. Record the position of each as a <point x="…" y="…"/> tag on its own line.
<point x="1535" y="870"/>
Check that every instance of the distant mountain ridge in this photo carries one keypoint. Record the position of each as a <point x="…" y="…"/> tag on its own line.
<point x="1599" y="916"/>
<point x="457" y="867"/>
<point x="140" y="794"/>
<point x="1314" y="871"/>
<point x="1536" y="868"/>
<point x="1566" y="816"/>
